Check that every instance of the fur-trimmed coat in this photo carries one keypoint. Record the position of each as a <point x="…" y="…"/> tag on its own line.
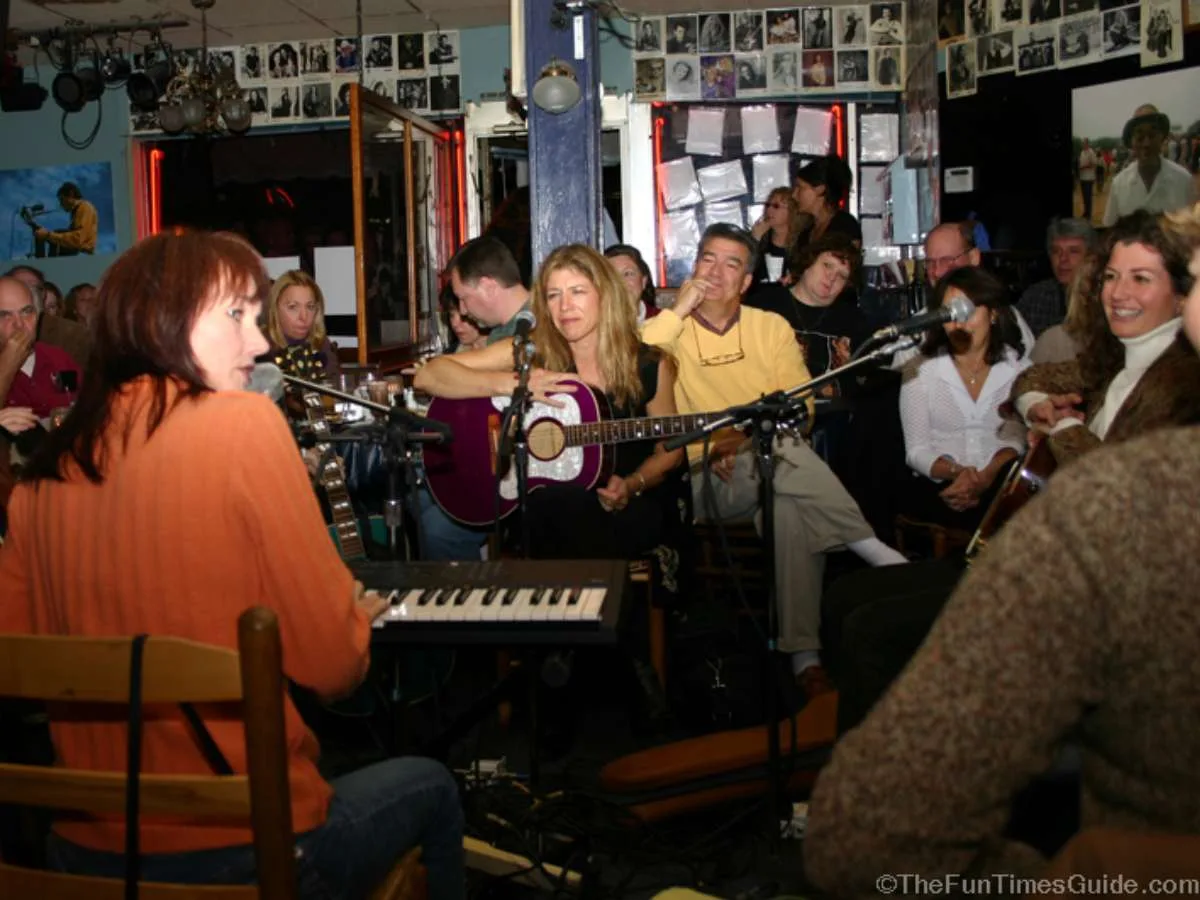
<point x="1167" y="395"/>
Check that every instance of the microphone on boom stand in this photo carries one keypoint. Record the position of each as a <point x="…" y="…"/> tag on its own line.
<point x="513" y="440"/>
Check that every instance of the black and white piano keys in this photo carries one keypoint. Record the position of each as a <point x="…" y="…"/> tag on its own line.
<point x="500" y="602"/>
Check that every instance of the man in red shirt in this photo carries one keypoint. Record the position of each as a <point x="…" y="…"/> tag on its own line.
<point x="33" y="374"/>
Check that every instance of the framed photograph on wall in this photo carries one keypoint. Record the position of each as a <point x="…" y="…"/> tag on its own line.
<point x="1191" y="14"/>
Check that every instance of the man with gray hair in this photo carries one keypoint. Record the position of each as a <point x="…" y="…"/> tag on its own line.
<point x="33" y="374"/>
<point x="1044" y="304"/>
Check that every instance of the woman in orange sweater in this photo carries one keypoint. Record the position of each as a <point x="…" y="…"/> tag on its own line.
<point x="169" y="501"/>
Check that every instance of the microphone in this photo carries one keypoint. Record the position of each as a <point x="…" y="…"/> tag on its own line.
<point x="266" y="379"/>
<point x="526" y="322"/>
<point x="37" y="208"/>
<point x="957" y="310"/>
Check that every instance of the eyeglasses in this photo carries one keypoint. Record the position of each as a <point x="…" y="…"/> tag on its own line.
<point x="721" y="359"/>
<point x="941" y="262"/>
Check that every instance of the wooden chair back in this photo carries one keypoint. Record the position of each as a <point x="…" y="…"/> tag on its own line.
<point x="96" y="670"/>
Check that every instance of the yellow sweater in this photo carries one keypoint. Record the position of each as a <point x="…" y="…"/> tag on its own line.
<point x="771" y="360"/>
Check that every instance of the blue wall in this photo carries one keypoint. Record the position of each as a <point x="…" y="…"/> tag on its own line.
<point x="32" y="139"/>
<point x="485" y="54"/>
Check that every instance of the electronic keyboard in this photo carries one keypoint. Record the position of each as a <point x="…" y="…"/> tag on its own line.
<point x="507" y="601"/>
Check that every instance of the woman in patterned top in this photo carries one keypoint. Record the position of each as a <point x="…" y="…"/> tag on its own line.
<point x="296" y="328"/>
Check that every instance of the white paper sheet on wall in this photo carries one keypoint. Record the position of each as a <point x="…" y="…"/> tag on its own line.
<point x="681" y="238"/>
<point x="706" y="131"/>
<point x="677" y="183"/>
<point x="727" y="211"/>
<point x="760" y="130"/>
<point x="880" y="141"/>
<point x="769" y="172"/>
<point x="277" y="265"/>
<point x="870" y="196"/>
<point x="811" y="137"/>
<point x="722" y="181"/>
<point x="336" y="279"/>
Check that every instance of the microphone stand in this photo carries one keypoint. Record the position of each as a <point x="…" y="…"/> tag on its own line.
<point x="401" y="433"/>
<point x="514" y="441"/>
<point x="766" y="415"/>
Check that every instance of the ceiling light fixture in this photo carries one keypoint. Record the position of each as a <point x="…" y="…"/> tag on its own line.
<point x="557" y="88"/>
<point x="75" y="86"/>
<point x="207" y="100"/>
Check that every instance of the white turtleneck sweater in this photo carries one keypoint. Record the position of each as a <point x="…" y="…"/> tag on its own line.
<point x="1140" y="354"/>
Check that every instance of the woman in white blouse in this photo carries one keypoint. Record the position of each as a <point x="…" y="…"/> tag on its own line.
<point x="956" y="442"/>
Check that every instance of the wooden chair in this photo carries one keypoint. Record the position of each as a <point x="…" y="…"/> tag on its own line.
<point x="641" y="572"/>
<point x="96" y="670"/>
<point x="746" y="549"/>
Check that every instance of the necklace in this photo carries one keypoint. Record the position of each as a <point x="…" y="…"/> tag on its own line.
<point x="971" y="378"/>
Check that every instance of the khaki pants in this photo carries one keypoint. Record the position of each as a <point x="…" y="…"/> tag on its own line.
<point x="813" y="514"/>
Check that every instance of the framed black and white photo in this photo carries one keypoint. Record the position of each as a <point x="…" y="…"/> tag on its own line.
<point x="748" y="32"/>
<point x="960" y="70"/>
<point x="817" y="22"/>
<point x="994" y="53"/>
<point x="649" y="36"/>
<point x="853" y="68"/>
<point x="1036" y="46"/>
<point x="850" y="26"/>
<point x="410" y="52"/>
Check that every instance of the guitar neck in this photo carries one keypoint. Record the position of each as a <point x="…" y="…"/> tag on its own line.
<point x="618" y="431"/>
<point x="333" y="479"/>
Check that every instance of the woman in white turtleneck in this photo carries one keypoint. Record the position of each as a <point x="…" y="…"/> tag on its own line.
<point x="1134" y="372"/>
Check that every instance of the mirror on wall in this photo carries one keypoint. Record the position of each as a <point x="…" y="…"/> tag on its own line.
<point x="406" y="224"/>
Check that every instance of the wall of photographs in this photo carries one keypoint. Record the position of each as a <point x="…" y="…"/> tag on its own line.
<point x="773" y="53"/>
<point x="990" y="37"/>
<point x="297" y="82"/>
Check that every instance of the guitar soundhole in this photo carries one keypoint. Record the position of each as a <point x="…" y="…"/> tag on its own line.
<point x="546" y="439"/>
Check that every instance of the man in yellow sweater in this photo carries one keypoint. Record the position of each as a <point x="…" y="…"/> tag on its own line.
<point x="728" y="355"/>
<point x="80" y="235"/>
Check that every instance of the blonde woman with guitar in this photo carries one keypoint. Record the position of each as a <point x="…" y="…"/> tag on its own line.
<point x="587" y="354"/>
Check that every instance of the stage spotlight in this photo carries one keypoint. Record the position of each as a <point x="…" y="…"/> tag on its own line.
<point x="146" y="88"/>
<point x="74" y="90"/>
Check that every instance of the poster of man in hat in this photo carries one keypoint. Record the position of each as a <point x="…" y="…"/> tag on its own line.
<point x="1131" y="123"/>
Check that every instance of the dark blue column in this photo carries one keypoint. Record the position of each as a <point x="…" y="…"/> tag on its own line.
<point x="564" y="149"/>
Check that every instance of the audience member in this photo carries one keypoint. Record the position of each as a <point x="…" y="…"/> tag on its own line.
<point x="1069" y="242"/>
<point x="729" y="354"/>
<point x="1078" y="625"/>
<point x="776" y="233"/>
<point x="58" y="331"/>
<point x="300" y="345"/>
<point x="636" y="274"/>
<point x="956" y="442"/>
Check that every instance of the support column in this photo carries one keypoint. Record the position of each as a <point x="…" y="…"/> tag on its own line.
<point x="564" y="149"/>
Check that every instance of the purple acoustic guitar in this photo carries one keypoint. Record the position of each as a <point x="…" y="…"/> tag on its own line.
<point x="571" y="444"/>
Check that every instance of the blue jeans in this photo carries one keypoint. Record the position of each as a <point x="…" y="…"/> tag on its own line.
<point x="441" y="537"/>
<point x="376" y="815"/>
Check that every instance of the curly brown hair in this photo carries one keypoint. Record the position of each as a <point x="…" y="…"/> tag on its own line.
<point x="803" y="256"/>
<point x="1101" y="355"/>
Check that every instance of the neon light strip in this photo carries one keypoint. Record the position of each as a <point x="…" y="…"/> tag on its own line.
<point x="156" y="158"/>
<point x="658" y="201"/>
<point x="460" y="171"/>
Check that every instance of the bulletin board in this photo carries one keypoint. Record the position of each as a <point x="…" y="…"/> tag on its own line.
<point x="719" y="163"/>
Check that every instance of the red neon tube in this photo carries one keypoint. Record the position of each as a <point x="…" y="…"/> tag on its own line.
<point x="156" y="158"/>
